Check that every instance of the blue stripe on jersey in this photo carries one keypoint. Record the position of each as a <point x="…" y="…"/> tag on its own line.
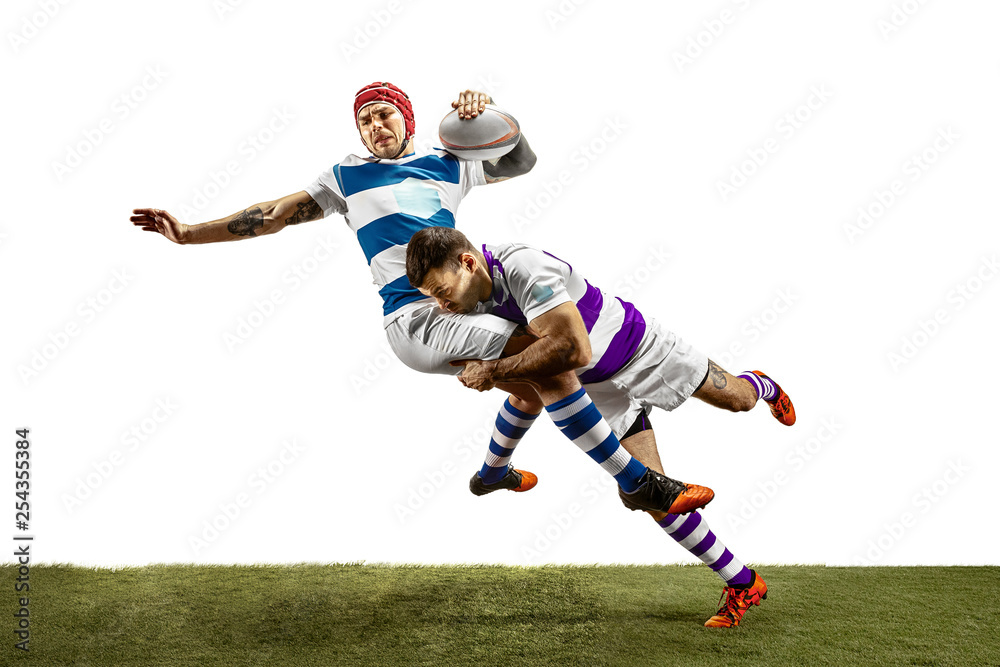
<point x="336" y="174"/>
<point x="396" y="229"/>
<point x="376" y="174"/>
<point x="398" y="293"/>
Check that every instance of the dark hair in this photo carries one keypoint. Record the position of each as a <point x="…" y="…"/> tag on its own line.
<point x="434" y="248"/>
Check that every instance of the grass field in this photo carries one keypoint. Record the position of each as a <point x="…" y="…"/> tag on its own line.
<point x="410" y="615"/>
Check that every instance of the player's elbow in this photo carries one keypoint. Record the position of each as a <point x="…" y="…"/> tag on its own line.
<point x="527" y="162"/>
<point x="579" y="353"/>
<point x="521" y="160"/>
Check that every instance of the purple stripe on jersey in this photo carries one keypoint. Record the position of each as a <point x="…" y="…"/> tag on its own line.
<point x="509" y="309"/>
<point x="590" y="305"/>
<point x="622" y="346"/>
<point x="490" y="262"/>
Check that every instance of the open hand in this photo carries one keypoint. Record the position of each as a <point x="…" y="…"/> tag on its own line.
<point x="157" y="220"/>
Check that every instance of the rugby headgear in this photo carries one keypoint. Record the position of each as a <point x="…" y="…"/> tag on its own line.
<point x="386" y="93"/>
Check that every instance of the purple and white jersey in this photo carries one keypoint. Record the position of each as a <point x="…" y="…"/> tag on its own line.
<point x="528" y="282"/>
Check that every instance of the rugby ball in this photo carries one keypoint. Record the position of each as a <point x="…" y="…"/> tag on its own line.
<point x="489" y="135"/>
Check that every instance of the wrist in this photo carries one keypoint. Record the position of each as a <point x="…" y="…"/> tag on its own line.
<point x="499" y="369"/>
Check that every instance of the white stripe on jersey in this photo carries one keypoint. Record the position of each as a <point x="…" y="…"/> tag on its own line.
<point x="389" y="265"/>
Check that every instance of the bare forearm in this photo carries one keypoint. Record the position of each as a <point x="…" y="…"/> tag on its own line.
<point x="258" y="220"/>
<point x="545" y="357"/>
<point x="253" y="221"/>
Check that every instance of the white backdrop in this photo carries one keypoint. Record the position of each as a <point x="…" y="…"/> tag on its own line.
<point x="804" y="188"/>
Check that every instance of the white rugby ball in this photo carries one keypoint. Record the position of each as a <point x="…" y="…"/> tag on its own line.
<point x="489" y="135"/>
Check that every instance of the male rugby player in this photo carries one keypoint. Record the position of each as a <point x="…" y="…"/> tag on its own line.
<point x="385" y="198"/>
<point x="632" y="366"/>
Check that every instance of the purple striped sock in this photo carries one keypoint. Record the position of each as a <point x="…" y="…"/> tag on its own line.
<point x="765" y="387"/>
<point x="691" y="532"/>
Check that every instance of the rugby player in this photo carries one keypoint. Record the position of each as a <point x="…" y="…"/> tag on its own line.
<point x="385" y="198"/>
<point x="630" y="366"/>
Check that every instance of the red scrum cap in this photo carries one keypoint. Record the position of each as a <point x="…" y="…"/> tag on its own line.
<point x="389" y="94"/>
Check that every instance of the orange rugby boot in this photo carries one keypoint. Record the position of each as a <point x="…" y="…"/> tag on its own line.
<point x="528" y="481"/>
<point x="781" y="406"/>
<point x="736" y="601"/>
<point x="660" y="493"/>
<point x="514" y="480"/>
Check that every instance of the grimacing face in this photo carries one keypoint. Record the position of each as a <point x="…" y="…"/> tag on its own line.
<point x="453" y="288"/>
<point x="382" y="128"/>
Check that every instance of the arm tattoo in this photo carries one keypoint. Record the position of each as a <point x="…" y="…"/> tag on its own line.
<point x="304" y="213"/>
<point x="246" y="222"/>
<point x="717" y="374"/>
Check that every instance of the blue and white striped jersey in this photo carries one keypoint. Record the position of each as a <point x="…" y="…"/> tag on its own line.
<point x="386" y="201"/>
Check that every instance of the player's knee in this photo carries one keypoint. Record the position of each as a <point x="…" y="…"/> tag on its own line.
<point x="530" y="404"/>
<point x="742" y="402"/>
<point x="563" y="383"/>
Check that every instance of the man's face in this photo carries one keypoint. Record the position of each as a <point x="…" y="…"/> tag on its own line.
<point x="382" y="129"/>
<point x="454" y="289"/>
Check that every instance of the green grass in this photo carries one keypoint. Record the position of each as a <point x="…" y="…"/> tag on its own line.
<point x="411" y="615"/>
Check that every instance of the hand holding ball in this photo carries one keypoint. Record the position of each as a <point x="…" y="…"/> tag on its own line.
<point x="490" y="135"/>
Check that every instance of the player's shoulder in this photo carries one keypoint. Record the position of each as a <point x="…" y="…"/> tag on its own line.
<point x="420" y="155"/>
<point x="524" y="259"/>
<point x="354" y="160"/>
<point x="507" y="250"/>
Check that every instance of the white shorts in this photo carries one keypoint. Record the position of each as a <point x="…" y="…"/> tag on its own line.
<point x="427" y="338"/>
<point x="663" y="373"/>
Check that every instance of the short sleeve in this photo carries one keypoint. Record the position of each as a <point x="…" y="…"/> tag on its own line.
<point x="471" y="175"/>
<point x="326" y="192"/>
<point x="537" y="281"/>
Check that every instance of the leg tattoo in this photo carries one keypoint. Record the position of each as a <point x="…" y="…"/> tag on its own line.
<point x="717" y="375"/>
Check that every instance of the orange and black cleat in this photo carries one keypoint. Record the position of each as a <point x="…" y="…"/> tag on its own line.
<point x="528" y="481"/>
<point x="659" y="493"/>
<point x="514" y="480"/>
<point x="693" y="498"/>
<point x="781" y="406"/>
<point x="736" y="601"/>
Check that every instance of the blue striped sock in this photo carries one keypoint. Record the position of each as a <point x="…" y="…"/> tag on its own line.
<point x="580" y="421"/>
<point x="510" y="427"/>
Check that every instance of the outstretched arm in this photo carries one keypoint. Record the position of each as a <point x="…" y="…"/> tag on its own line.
<point x="517" y="162"/>
<point x="258" y="220"/>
